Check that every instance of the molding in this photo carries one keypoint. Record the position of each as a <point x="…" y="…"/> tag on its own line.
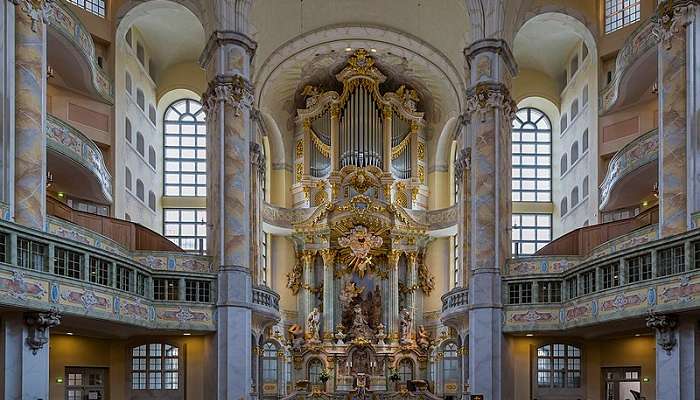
<point x="236" y="91"/>
<point x="484" y="97"/>
<point x="497" y="46"/>
<point x="671" y="19"/>
<point x="223" y="38"/>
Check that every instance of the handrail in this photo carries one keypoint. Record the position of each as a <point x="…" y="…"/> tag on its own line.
<point x="72" y="143"/>
<point x="128" y="234"/>
<point x="581" y="241"/>
<point x="264" y="296"/>
<point x="635" y="154"/>
<point x="457" y="297"/>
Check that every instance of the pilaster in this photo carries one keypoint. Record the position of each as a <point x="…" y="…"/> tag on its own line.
<point x="328" y="256"/>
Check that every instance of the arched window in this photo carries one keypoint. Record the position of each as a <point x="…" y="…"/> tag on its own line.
<point x="151" y="200"/>
<point x="140" y="144"/>
<point x="450" y="363"/>
<point x="564" y="165"/>
<point x="574" y="109"/>
<point x="584" y="141"/>
<point x="127" y="130"/>
<point x="564" y="206"/>
<point x="405" y="370"/>
<point x="96" y="7"/>
<point x="155" y="366"/>
<point x="574" y="152"/>
<point x="584" y="93"/>
<point x="127" y="81"/>
<point x="269" y="363"/>
<point x="584" y="187"/>
<point x="532" y="156"/>
<point x="574" y="68"/>
<point x="563" y="123"/>
<point x="140" y="99"/>
<point x="152" y="156"/>
<point x="185" y="136"/>
<point x="558" y="366"/>
<point x="314" y="370"/>
<point x="139" y="189"/>
<point x="127" y="178"/>
<point x="574" y="197"/>
<point x="152" y="113"/>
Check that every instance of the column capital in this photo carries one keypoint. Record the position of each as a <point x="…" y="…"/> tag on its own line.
<point x="484" y="97"/>
<point x="665" y="327"/>
<point x="224" y="38"/>
<point x="307" y="256"/>
<point x="234" y="90"/>
<point x="491" y="46"/>
<point x="671" y="19"/>
<point x="37" y="10"/>
<point x="393" y="258"/>
<point x="328" y="256"/>
<point x="39" y="324"/>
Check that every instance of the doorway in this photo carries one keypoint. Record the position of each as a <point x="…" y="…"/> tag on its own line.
<point x="85" y="383"/>
<point x="622" y="383"/>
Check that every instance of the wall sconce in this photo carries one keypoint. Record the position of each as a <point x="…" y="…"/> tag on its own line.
<point x="50" y="72"/>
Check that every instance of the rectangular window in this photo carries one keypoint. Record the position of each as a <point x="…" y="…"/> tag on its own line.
<point x="620" y="13"/>
<point x="520" y="293"/>
<point x="531" y="232"/>
<point x="186" y="227"/>
<point x="696" y="255"/>
<point x="96" y="7"/>
<point x="638" y="268"/>
<point x="549" y="292"/>
<point x="197" y="291"/>
<point x="671" y="261"/>
<point x="611" y="275"/>
<point x="165" y="289"/>
<point x="141" y="281"/>
<point x="67" y="263"/>
<point x="588" y="282"/>
<point x="124" y="278"/>
<point x="572" y="287"/>
<point x="32" y="255"/>
<point x="100" y="271"/>
<point x="3" y="247"/>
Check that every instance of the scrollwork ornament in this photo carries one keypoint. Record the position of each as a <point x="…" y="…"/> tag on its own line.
<point x="37" y="10"/>
<point x="234" y="91"/>
<point x="462" y="164"/>
<point x="672" y="17"/>
<point x="489" y="96"/>
<point x="665" y="326"/>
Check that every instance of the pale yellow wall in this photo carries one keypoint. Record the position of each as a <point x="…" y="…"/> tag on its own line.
<point x="77" y="351"/>
<point x="282" y="262"/>
<point x="646" y="113"/>
<point x="441" y="191"/>
<point x="280" y="182"/>
<point x="533" y="83"/>
<point x="597" y="354"/>
<point x="437" y="259"/>
<point x="189" y="76"/>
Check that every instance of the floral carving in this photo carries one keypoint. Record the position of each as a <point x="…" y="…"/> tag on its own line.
<point x="488" y="96"/>
<point x="39" y="324"/>
<point x="672" y="17"/>
<point x="665" y="326"/>
<point x="234" y="91"/>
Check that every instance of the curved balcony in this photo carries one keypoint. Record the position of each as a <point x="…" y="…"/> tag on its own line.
<point x="635" y="71"/>
<point x="632" y="173"/>
<point x="68" y="147"/>
<point x="71" y="51"/>
<point x="35" y="273"/>
<point x="668" y="280"/>
<point x="455" y="306"/>
<point x="266" y="306"/>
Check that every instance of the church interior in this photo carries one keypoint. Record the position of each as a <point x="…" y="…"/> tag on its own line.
<point x="350" y="199"/>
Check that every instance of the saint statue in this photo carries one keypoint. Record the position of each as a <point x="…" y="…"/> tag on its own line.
<point x="312" y="323"/>
<point x="360" y="328"/>
<point x="406" y="327"/>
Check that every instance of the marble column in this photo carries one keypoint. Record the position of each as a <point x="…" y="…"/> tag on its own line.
<point x="462" y="176"/>
<point x="227" y="103"/>
<point x="328" y="293"/>
<point x="30" y="113"/>
<point x="677" y="353"/>
<point x="672" y="21"/>
<point x="257" y="165"/>
<point x="307" y="296"/>
<point x="393" y="317"/>
<point x="490" y="110"/>
<point x="25" y="358"/>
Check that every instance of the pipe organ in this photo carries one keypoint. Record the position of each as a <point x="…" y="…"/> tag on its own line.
<point x="360" y="128"/>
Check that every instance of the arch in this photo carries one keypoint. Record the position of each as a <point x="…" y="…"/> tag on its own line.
<point x="531" y="156"/>
<point x="152" y="156"/>
<point x="445" y="142"/>
<point x="130" y="10"/>
<point x="184" y="133"/>
<point x="406" y="369"/>
<point x="269" y="362"/>
<point x="585" y="188"/>
<point x="127" y="129"/>
<point x="140" y="144"/>
<point x="151" y="200"/>
<point x="127" y="178"/>
<point x="313" y="370"/>
<point x="583" y="26"/>
<point x="584" y="141"/>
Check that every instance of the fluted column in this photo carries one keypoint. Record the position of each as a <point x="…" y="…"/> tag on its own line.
<point x="307" y="298"/>
<point x="227" y="103"/>
<point x="490" y="111"/>
<point x="393" y="318"/>
<point x="328" y="293"/>
<point x="412" y="283"/>
<point x="30" y="113"/>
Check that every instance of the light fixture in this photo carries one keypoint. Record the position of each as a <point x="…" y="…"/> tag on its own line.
<point x="373" y="50"/>
<point x="49" y="179"/>
<point x="529" y="334"/>
<point x="59" y="379"/>
<point x="637" y="335"/>
<point x="60" y="194"/>
<point x="645" y="379"/>
<point x="655" y="87"/>
<point x="348" y="49"/>
<point x="645" y="203"/>
<point x="50" y="72"/>
<point x="186" y="334"/>
<point x="69" y="333"/>
<point x="655" y="191"/>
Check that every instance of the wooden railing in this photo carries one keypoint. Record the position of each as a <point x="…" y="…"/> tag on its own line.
<point x="581" y="241"/>
<point x="130" y="235"/>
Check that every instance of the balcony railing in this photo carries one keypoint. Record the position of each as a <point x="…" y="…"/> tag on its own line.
<point x="266" y="297"/>
<point x="636" y="154"/>
<point x="456" y="297"/>
<point x="70" y="142"/>
<point x="39" y="270"/>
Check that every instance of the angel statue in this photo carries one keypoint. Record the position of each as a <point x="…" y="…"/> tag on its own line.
<point x="423" y="337"/>
<point x="312" y="323"/>
<point x="349" y="292"/>
<point x="406" y="327"/>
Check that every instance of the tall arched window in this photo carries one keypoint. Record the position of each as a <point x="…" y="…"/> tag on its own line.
<point x="574" y="197"/>
<point x="584" y="141"/>
<point x="315" y="368"/>
<point x="564" y="206"/>
<point x="532" y="156"/>
<point x="584" y="186"/>
<point x="269" y="363"/>
<point x="564" y="164"/>
<point x="185" y="134"/>
<point x="405" y="370"/>
<point x="574" y="152"/>
<point x="450" y="363"/>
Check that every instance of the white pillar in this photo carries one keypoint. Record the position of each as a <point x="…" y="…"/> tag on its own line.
<point x="676" y="355"/>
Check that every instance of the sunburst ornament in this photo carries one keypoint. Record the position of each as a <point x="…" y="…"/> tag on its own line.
<point x="360" y="241"/>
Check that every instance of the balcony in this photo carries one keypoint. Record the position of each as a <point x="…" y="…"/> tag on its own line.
<point x="665" y="278"/>
<point x="76" y="163"/>
<point x="455" y="307"/>
<point x="632" y="173"/>
<point x="71" y="51"/>
<point x="635" y="71"/>
<point x="41" y="271"/>
<point x="266" y="306"/>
